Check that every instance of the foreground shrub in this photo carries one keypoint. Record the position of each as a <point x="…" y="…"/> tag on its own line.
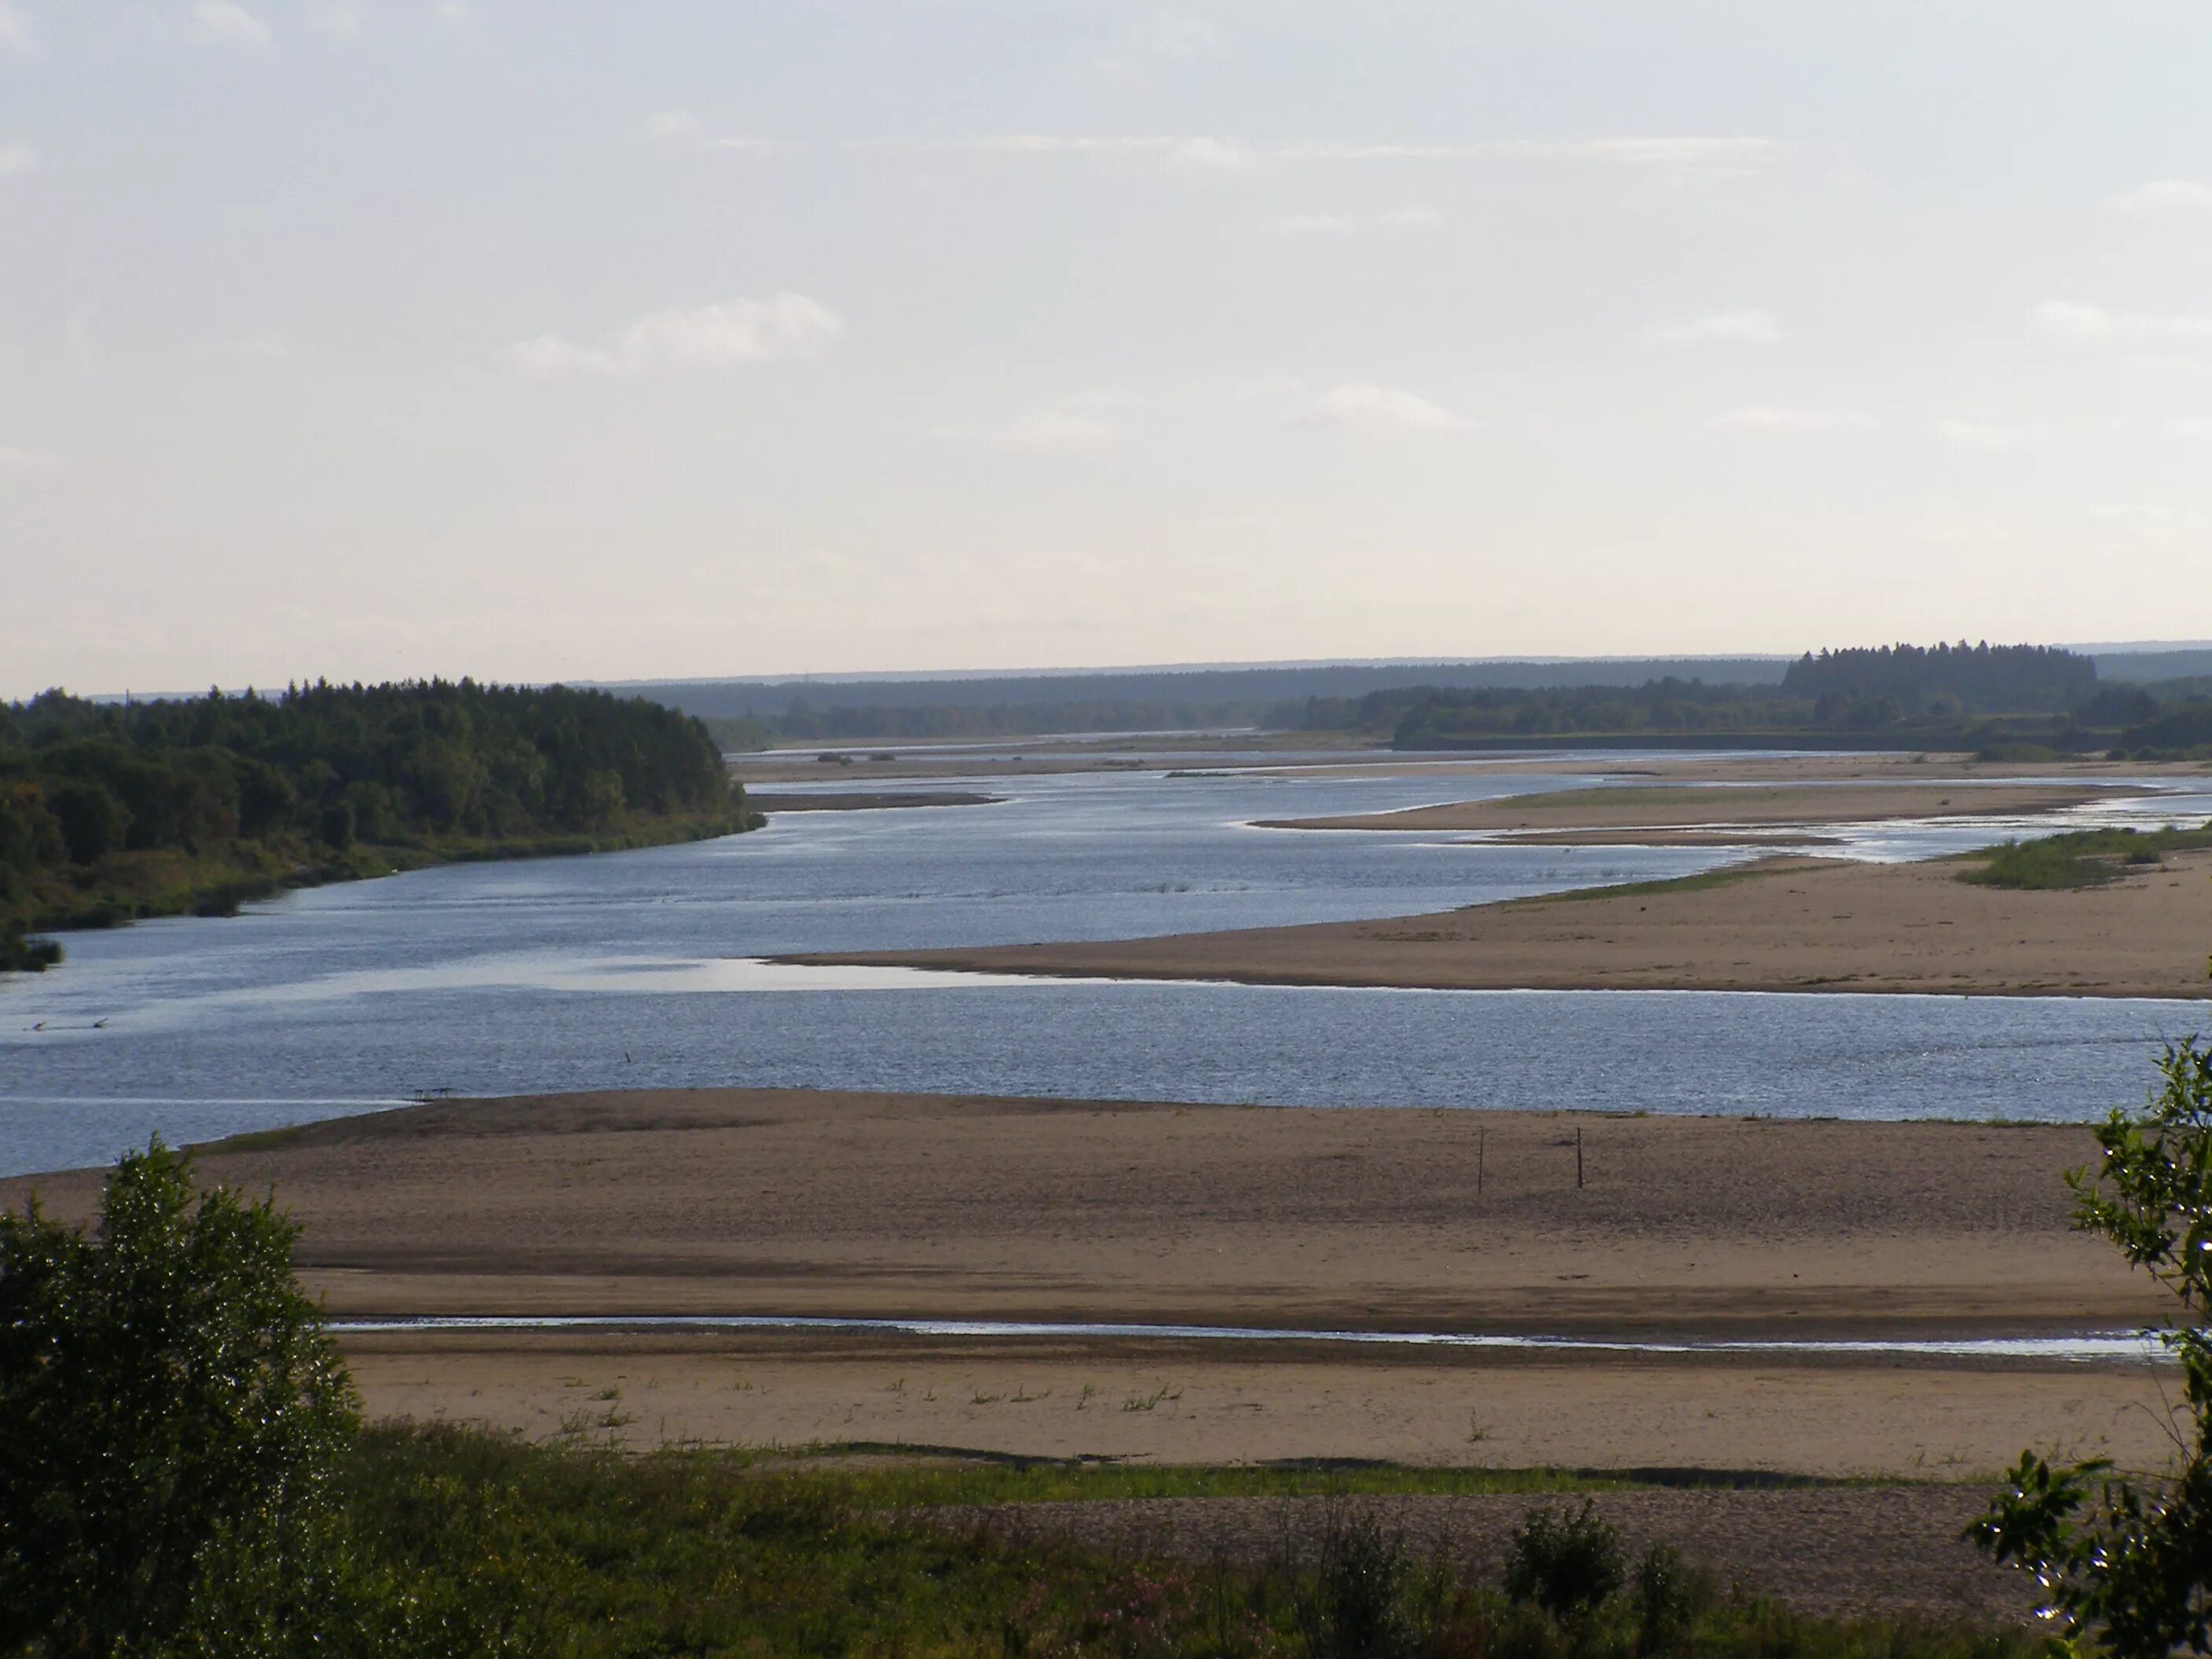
<point x="170" y="1415"/>
<point x="2128" y="1567"/>
<point x="1565" y="1561"/>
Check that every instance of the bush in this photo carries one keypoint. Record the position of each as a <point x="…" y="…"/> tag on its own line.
<point x="2129" y="1566"/>
<point x="1565" y="1561"/>
<point x="1355" y="1607"/>
<point x="1670" y="1594"/>
<point x="173" y="1416"/>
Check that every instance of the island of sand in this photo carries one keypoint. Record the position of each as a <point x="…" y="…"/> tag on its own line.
<point x="1778" y="924"/>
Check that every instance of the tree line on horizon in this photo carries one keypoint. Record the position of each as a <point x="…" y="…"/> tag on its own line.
<point x="110" y="811"/>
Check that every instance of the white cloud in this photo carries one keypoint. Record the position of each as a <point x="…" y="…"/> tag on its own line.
<point x="15" y="34"/>
<point x="1723" y="328"/>
<point x="1362" y="406"/>
<point x="1985" y="438"/>
<point x="1676" y="154"/>
<point x="230" y="23"/>
<point x="2064" y="320"/>
<point x="1766" y="417"/>
<point x="1172" y="35"/>
<point x="456" y="14"/>
<point x="14" y="459"/>
<point x="1317" y="224"/>
<point x="682" y="127"/>
<point x="2166" y="196"/>
<point x="1048" y="429"/>
<point x="708" y="336"/>
<point x="2191" y="427"/>
<point x="339" y="19"/>
<point x="1339" y="224"/>
<point x="16" y="159"/>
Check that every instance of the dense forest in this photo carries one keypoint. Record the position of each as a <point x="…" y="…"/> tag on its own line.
<point x="113" y="811"/>
<point x="2005" y="679"/>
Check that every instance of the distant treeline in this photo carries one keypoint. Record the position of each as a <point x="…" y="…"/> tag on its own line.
<point x="112" y="810"/>
<point x="2019" y="699"/>
<point x="1949" y="679"/>
<point x="761" y="714"/>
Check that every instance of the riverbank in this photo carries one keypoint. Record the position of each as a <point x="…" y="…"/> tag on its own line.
<point x="215" y="881"/>
<point x="1778" y="924"/>
<point x="1558" y="814"/>
<point x="848" y="1205"/>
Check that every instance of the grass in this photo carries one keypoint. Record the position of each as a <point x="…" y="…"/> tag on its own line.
<point x="2082" y="858"/>
<point x="494" y="1546"/>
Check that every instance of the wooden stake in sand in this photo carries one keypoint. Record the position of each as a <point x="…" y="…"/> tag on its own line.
<point x="1578" y="1159"/>
<point x="1478" y="1160"/>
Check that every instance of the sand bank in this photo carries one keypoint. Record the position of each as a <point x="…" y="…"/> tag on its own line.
<point x="1689" y="806"/>
<point x="801" y="1202"/>
<point x="767" y="1201"/>
<point x="1786" y="924"/>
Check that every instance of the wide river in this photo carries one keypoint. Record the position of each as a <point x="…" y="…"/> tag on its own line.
<point x="641" y="970"/>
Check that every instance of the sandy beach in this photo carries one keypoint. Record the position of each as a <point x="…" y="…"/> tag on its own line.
<point x="767" y="1201"/>
<point x="1783" y="924"/>
<point x="1671" y="806"/>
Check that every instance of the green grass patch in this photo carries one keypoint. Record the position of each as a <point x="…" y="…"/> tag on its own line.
<point x="2081" y="858"/>
<point x="496" y="1545"/>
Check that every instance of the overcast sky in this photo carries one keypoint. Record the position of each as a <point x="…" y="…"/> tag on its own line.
<point x="536" y="339"/>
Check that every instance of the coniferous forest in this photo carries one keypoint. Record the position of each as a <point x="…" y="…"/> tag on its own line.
<point x="111" y="811"/>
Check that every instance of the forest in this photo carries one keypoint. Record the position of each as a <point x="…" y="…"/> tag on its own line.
<point x="114" y="811"/>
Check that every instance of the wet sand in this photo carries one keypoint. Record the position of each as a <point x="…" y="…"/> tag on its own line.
<point x="1668" y="806"/>
<point x="1783" y="924"/>
<point x="768" y="1201"/>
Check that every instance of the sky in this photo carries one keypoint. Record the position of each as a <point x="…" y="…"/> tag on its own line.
<point x="536" y="339"/>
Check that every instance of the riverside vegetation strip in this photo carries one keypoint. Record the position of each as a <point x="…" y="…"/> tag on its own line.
<point x="113" y="811"/>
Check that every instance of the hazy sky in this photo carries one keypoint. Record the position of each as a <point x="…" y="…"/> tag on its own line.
<point x="534" y="339"/>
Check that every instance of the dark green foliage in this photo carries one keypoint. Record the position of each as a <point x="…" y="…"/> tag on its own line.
<point x="1350" y="1596"/>
<point x="1974" y="679"/>
<point x="173" y="1417"/>
<point x="1671" y="1595"/>
<point x="2127" y="1567"/>
<point x="2182" y="732"/>
<point x="2081" y="858"/>
<point x="109" y="810"/>
<point x="1565" y="1561"/>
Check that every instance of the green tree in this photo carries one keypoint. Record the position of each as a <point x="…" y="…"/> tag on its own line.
<point x="171" y="1416"/>
<point x="2126" y="1566"/>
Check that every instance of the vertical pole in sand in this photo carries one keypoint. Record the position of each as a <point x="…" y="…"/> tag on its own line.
<point x="1578" y="1160"/>
<point x="1478" y="1160"/>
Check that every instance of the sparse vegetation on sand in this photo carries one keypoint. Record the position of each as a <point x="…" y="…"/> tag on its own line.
<point x="2081" y="858"/>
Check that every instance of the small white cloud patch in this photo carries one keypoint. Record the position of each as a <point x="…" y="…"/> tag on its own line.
<point x="704" y="338"/>
<point x="1758" y="328"/>
<point x="2166" y="196"/>
<point x="1767" y="417"/>
<point x="16" y="159"/>
<point x="15" y="34"/>
<point x="15" y="459"/>
<point x="2061" y="319"/>
<point x="231" y="24"/>
<point x="1362" y="406"/>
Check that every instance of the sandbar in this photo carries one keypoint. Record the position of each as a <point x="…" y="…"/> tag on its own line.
<point x="742" y="1200"/>
<point x="1673" y="806"/>
<point x="1778" y="924"/>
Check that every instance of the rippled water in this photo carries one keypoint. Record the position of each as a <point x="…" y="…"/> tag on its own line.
<point x="636" y="970"/>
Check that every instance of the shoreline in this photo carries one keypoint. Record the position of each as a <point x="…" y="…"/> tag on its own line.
<point x="1775" y="924"/>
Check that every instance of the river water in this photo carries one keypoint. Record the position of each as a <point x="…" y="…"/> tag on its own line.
<point x="641" y="970"/>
